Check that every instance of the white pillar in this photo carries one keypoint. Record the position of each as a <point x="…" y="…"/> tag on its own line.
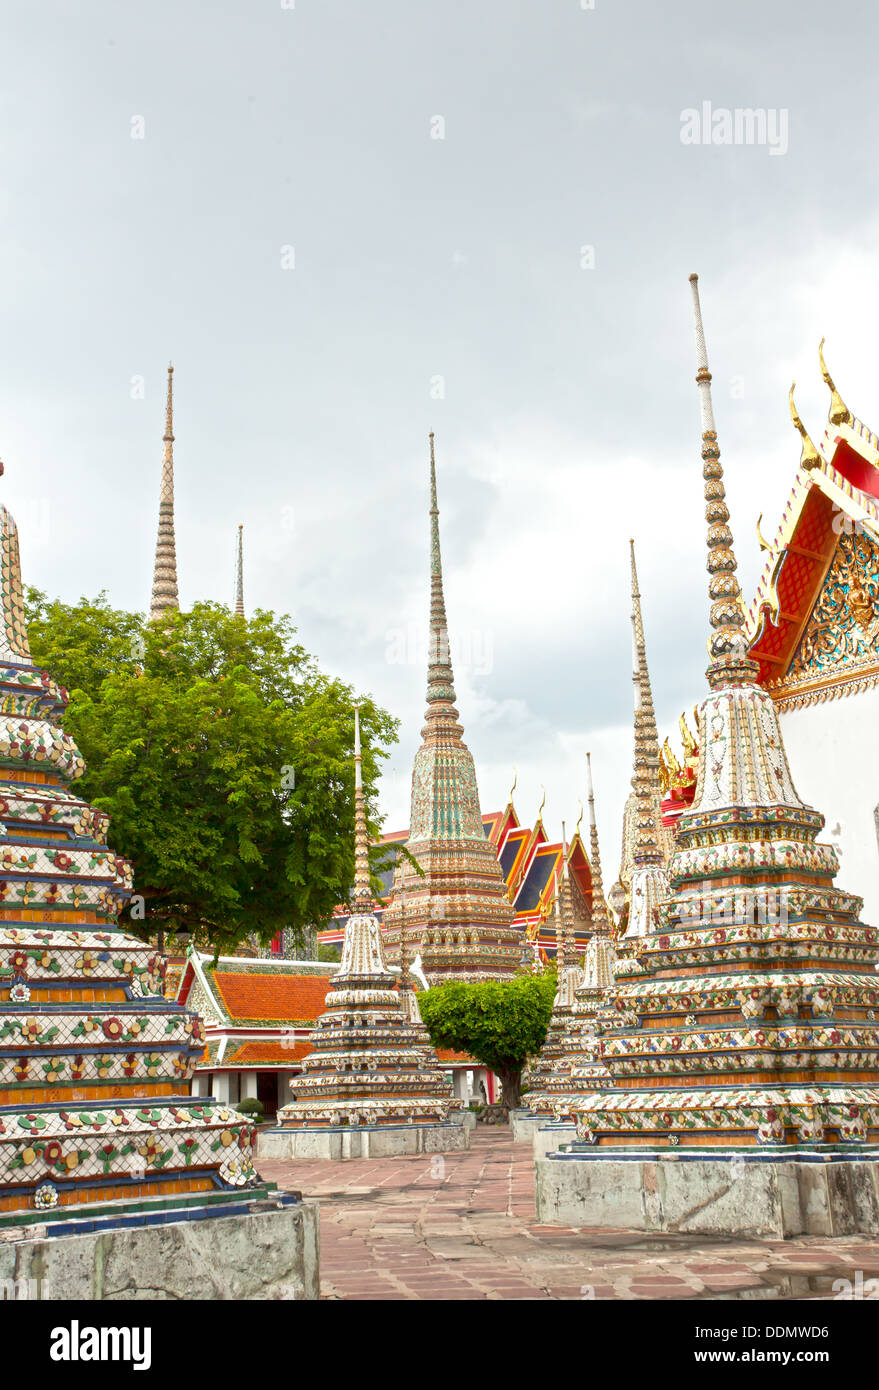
<point x="248" y="1085"/>
<point x="220" y="1086"/>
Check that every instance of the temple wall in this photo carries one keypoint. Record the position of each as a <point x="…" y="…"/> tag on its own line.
<point x="833" y="748"/>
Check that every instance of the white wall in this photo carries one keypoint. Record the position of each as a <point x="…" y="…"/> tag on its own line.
<point x="833" y="749"/>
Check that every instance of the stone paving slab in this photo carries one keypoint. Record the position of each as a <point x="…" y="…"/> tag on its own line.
<point x="461" y="1226"/>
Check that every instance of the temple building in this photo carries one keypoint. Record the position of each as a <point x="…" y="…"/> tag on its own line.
<point x="813" y="628"/>
<point x="372" y="1083"/>
<point x="460" y="918"/>
<point x="258" y="1017"/>
<point x="164" y="593"/>
<point x="745" y="1025"/>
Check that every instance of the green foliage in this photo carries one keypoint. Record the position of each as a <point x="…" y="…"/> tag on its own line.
<point x="223" y="757"/>
<point x="499" y="1023"/>
<point x="250" y="1106"/>
<point x="330" y="953"/>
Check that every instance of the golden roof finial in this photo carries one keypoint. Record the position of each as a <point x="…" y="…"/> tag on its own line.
<point x="839" y="413"/>
<point x="809" y="458"/>
<point x="543" y="802"/>
<point x="579" y="821"/>
<point x="513" y="787"/>
<point x="764" y="544"/>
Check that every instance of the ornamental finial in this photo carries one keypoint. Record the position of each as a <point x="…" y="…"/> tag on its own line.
<point x="727" y="645"/>
<point x="839" y="413"/>
<point x="809" y="458"/>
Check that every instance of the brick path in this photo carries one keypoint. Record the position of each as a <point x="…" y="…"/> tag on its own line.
<point x="461" y="1226"/>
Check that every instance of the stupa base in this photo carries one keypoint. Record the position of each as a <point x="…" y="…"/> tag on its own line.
<point x="731" y="1193"/>
<point x="362" y="1141"/>
<point x="523" y="1125"/>
<point x="263" y="1247"/>
<point x="550" y="1135"/>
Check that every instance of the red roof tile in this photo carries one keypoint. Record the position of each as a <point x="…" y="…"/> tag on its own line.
<point x="252" y="1053"/>
<point x="272" y="997"/>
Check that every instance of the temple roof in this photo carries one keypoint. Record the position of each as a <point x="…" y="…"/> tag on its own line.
<point x="256" y="992"/>
<point x="834" y="498"/>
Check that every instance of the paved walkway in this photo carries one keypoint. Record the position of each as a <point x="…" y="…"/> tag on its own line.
<point x="461" y="1226"/>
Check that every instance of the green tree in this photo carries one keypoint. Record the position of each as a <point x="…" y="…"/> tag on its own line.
<point x="500" y="1023"/>
<point x="223" y="756"/>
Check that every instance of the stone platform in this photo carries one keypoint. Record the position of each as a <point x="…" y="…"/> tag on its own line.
<point x="730" y="1194"/>
<point x="551" y="1135"/>
<point x="362" y="1141"/>
<point x="523" y="1124"/>
<point x="259" y="1248"/>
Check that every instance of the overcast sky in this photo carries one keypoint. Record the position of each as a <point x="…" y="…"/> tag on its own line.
<point x="256" y="190"/>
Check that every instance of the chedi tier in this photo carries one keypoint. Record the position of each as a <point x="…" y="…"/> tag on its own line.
<point x="459" y="916"/>
<point x="372" y="1084"/>
<point x="751" y="1032"/>
<point x="94" y="1058"/>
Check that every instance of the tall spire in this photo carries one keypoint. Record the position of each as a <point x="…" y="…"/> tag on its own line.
<point x="600" y="921"/>
<point x="645" y="782"/>
<point x="649" y="884"/>
<point x="441" y="715"/>
<point x="458" y="909"/>
<point x="569" y="950"/>
<point x="727" y="645"/>
<point x="164" y="593"/>
<point x="239" y="576"/>
<point x="362" y="891"/>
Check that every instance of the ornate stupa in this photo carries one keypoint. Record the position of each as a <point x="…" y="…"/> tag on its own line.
<point x="751" y="1031"/>
<point x="95" y="1116"/>
<point x="577" y="1068"/>
<point x="646" y="842"/>
<point x="544" y="1073"/>
<point x="458" y="913"/>
<point x="371" y="1068"/>
<point x="164" y="593"/>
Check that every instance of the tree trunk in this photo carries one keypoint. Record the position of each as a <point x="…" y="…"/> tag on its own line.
<point x="511" y="1081"/>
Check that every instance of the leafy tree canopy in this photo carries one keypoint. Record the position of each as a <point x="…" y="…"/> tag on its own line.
<point x="223" y="756"/>
<point x="499" y="1023"/>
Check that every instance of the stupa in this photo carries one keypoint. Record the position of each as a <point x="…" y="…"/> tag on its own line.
<point x="372" y="1084"/>
<point x="549" y="1068"/>
<point x="745" y="1058"/>
<point x="458" y="913"/>
<point x="577" y="1069"/>
<point x="105" y="1159"/>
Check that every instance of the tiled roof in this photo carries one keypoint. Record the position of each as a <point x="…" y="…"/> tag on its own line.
<point x="446" y="1054"/>
<point x="271" y="997"/>
<point x="249" y="1054"/>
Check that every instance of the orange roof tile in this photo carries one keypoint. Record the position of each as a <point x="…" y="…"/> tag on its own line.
<point x="446" y="1054"/>
<point x="272" y="997"/>
<point x="251" y="1053"/>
